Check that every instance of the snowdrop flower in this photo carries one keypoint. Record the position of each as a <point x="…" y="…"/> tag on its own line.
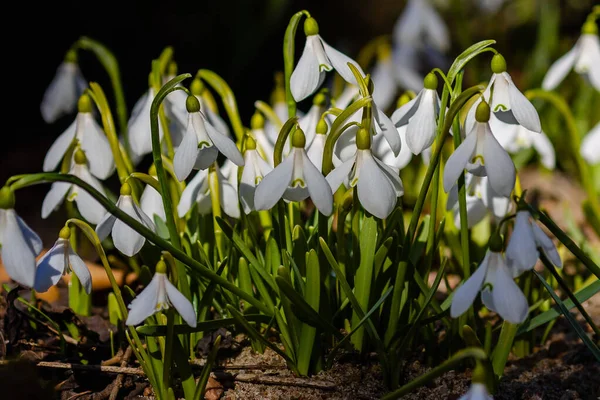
<point x="584" y="58"/>
<point x="197" y="192"/>
<point x="126" y="240"/>
<point x="382" y="149"/>
<point x="19" y="245"/>
<point x="308" y="123"/>
<point x="481" y="154"/>
<point x="420" y="23"/>
<point x="265" y="145"/>
<point x="509" y="106"/>
<point x="378" y="185"/>
<point x="522" y="247"/>
<point x="590" y="146"/>
<point x="420" y="116"/>
<point x="160" y="294"/>
<point x="61" y="259"/>
<point x="88" y="207"/>
<point x="477" y="391"/>
<point x="90" y="137"/>
<point x="405" y="58"/>
<point x="523" y="138"/>
<point x="499" y="293"/>
<point x="202" y="144"/>
<point x="317" y="58"/>
<point x="317" y="147"/>
<point x="255" y="169"/>
<point x="295" y="179"/>
<point x="383" y="76"/>
<point x="61" y="96"/>
<point x="138" y="127"/>
<point x="151" y="201"/>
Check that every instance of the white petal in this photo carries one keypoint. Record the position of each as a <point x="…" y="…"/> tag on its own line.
<point x="509" y="301"/>
<point x="225" y="145"/>
<point x="521" y="249"/>
<point x="459" y="159"/>
<point x="339" y="174"/>
<point x="498" y="205"/>
<point x="403" y="114"/>
<point x="18" y="249"/>
<point x="315" y="151"/>
<point x="340" y="61"/>
<point x="59" y="148"/>
<point x="274" y="184"/>
<point x="375" y="192"/>
<point x="385" y="125"/>
<point x="465" y="295"/>
<point x="498" y="165"/>
<point x="206" y="157"/>
<point x="51" y="267"/>
<point x="216" y="121"/>
<point x="590" y="146"/>
<point x="96" y="147"/>
<point x="544" y="147"/>
<point x="80" y="270"/>
<point x="88" y="206"/>
<point x="435" y="27"/>
<point x="61" y="95"/>
<point x="229" y="199"/>
<point x="420" y="132"/>
<point x="307" y="74"/>
<point x="104" y="227"/>
<point x="506" y="134"/>
<point x="477" y="391"/>
<point x="144" y="305"/>
<point x="187" y="152"/>
<point x="181" y="304"/>
<point x="346" y="97"/>
<point x="524" y="112"/>
<point x="560" y="69"/>
<point x="320" y="192"/>
<point x="139" y="132"/>
<point x="476" y="212"/>
<point x="345" y="147"/>
<point x="198" y="184"/>
<point x="127" y="240"/>
<point x="547" y="245"/>
<point x="384" y="83"/>
<point x="392" y="175"/>
<point x="55" y="197"/>
<point x="151" y="203"/>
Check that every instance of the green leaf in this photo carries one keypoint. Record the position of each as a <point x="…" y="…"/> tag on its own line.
<point x="466" y="56"/>
<point x="312" y="297"/>
<point x="210" y="361"/>
<point x="184" y="329"/>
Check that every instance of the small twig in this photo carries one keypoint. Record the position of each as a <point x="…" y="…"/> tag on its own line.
<point x="114" y="360"/>
<point x="95" y="368"/>
<point x="279" y="381"/>
<point x="119" y="381"/>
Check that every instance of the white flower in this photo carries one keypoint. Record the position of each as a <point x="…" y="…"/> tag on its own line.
<point x="91" y="139"/>
<point x="151" y="201"/>
<point x="405" y="58"/>
<point x="584" y="58"/>
<point x="255" y="169"/>
<point x="160" y="294"/>
<point x="481" y="199"/>
<point x="138" y="127"/>
<point x="197" y="192"/>
<point x="477" y="391"/>
<point x="61" y="259"/>
<point x="383" y="151"/>
<point x="500" y="293"/>
<point x="19" y="244"/>
<point x="522" y="247"/>
<point x="88" y="207"/>
<point x="316" y="149"/>
<point x="317" y="58"/>
<point x="295" y="179"/>
<point x="420" y="24"/>
<point x="61" y="96"/>
<point x="482" y="155"/>
<point x="308" y="123"/>
<point x="590" y="146"/>
<point x="125" y="238"/>
<point x="420" y="116"/>
<point x="201" y="144"/>
<point x="378" y="185"/>
<point x="523" y="138"/>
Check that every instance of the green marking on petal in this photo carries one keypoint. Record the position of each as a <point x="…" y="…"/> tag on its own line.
<point x="500" y="107"/>
<point x="204" y="144"/>
<point x="298" y="182"/>
<point x="480" y="158"/>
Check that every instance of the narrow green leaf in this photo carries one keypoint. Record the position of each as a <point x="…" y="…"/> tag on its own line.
<point x="184" y="329"/>
<point x="466" y="56"/>
<point x="210" y="361"/>
<point x="312" y="297"/>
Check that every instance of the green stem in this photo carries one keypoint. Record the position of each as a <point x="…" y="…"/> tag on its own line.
<point x="168" y="359"/>
<point x="194" y="265"/>
<point x="502" y="350"/>
<point x="289" y="40"/>
<point x="215" y="200"/>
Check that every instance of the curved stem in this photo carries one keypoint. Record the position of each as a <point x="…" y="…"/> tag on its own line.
<point x="289" y="47"/>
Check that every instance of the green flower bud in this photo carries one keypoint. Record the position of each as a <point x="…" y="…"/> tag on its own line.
<point x="172" y="69"/>
<point x="161" y="267"/>
<point x="496" y="243"/>
<point x="125" y="189"/>
<point x="298" y="139"/>
<point x="403" y="99"/>
<point x="478" y="373"/>
<point x="192" y="104"/>
<point x="498" y="64"/>
<point x="84" y="104"/>
<point x="7" y="198"/>
<point x="589" y="28"/>
<point x="250" y="143"/>
<point x="363" y="139"/>
<point x="65" y="233"/>
<point x="197" y="87"/>
<point x="430" y="81"/>
<point x="152" y="170"/>
<point x="482" y="114"/>
<point x="311" y="27"/>
<point x="320" y="99"/>
<point x="71" y="56"/>
<point x="322" y="127"/>
<point x="257" y="121"/>
<point x="80" y="157"/>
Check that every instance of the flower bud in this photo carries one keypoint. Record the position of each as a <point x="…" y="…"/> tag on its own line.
<point x="363" y="139"/>
<point x="84" y="104"/>
<point x="298" y="138"/>
<point x="161" y="267"/>
<point x="498" y="64"/>
<point x="7" y="198"/>
<point x="65" y="233"/>
<point x="125" y="189"/>
<point x="403" y="99"/>
<point x="321" y="127"/>
<point x="589" y="27"/>
<point x="250" y="143"/>
<point x="496" y="243"/>
<point x="482" y="114"/>
<point x="71" y="56"/>
<point x="80" y="157"/>
<point x="197" y="87"/>
<point x="257" y="121"/>
<point x="192" y="104"/>
<point x="320" y="99"/>
<point x="152" y="170"/>
<point x="431" y="81"/>
<point x="172" y="69"/>
<point x="311" y="27"/>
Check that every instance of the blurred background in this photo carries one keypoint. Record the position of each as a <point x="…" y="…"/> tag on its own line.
<point x="241" y="41"/>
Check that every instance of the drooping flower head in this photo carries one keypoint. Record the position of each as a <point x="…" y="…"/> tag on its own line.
<point x="317" y="147"/>
<point x="317" y="58"/>
<point x="202" y="143"/>
<point x="139" y="132"/>
<point x="590" y="146"/>
<point x="88" y="207"/>
<point x="295" y="179"/>
<point x="151" y="201"/>
<point x="481" y="154"/>
<point x="19" y="245"/>
<point x="61" y="96"/>
<point x="59" y="260"/>
<point x="421" y="25"/>
<point x="378" y="185"/>
<point x="255" y="169"/>
<point x="91" y="139"/>
<point x="160" y="294"/>
<point x="126" y="240"/>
